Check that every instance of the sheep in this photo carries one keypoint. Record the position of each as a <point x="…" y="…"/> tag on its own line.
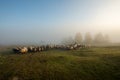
<point x="71" y="48"/>
<point x="16" y="50"/>
<point x="48" y="47"/>
<point x="30" y="49"/>
<point x="75" y="46"/>
<point x="34" y="49"/>
<point x="42" y="48"/>
<point x="39" y="49"/>
<point x="23" y="50"/>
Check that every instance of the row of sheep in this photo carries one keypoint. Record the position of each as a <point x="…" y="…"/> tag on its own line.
<point x="48" y="47"/>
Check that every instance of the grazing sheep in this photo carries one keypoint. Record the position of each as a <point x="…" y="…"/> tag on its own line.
<point x="24" y="50"/>
<point x="30" y="49"/>
<point x="16" y="50"/>
<point x="44" y="47"/>
<point x="38" y="49"/>
<point x="34" y="49"/>
<point x="71" y="48"/>
<point x="75" y="46"/>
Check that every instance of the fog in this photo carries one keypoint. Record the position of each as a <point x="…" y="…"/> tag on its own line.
<point x="45" y="22"/>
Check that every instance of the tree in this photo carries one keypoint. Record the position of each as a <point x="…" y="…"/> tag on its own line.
<point x="99" y="38"/>
<point x="78" y="38"/>
<point x="106" y="39"/>
<point x="88" y="38"/>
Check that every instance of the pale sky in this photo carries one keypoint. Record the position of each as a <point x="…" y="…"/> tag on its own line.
<point x="35" y="21"/>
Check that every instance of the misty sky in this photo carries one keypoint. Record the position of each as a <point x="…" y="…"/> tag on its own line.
<point x="35" y="21"/>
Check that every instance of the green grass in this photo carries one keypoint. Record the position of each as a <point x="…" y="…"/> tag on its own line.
<point x="101" y="63"/>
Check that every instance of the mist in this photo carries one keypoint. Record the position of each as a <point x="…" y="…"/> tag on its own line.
<point x="45" y="22"/>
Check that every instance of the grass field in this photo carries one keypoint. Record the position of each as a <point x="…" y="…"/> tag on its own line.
<point x="98" y="63"/>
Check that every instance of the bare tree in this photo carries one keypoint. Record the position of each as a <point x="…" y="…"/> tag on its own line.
<point x="78" y="38"/>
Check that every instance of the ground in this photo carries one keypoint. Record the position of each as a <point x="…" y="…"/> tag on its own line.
<point x="95" y="63"/>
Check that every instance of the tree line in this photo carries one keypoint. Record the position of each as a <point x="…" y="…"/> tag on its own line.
<point x="98" y="38"/>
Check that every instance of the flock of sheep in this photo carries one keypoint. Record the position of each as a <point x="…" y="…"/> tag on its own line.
<point x="30" y="49"/>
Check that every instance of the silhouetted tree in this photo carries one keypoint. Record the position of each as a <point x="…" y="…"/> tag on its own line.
<point x="88" y="38"/>
<point x="78" y="38"/>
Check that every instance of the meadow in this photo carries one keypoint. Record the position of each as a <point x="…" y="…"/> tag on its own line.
<point x="95" y="63"/>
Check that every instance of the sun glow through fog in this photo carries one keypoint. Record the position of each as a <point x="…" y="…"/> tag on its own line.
<point x="108" y="16"/>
